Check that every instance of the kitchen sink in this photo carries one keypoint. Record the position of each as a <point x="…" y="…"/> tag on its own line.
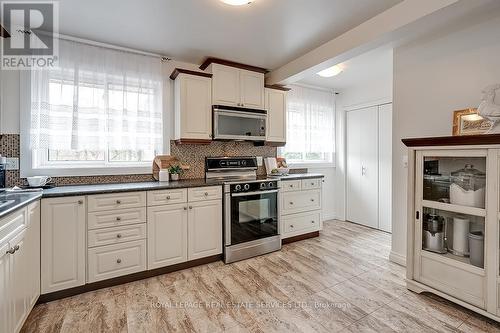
<point x="5" y="202"/>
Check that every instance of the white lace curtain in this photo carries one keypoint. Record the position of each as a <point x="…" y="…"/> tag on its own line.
<point x="310" y="122"/>
<point x="97" y="99"/>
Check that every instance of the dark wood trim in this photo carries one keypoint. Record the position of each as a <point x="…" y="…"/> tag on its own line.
<point x="178" y="71"/>
<point x="125" y="279"/>
<point x="277" y="87"/>
<point x="193" y="142"/>
<point x="4" y="33"/>
<point x="211" y="60"/>
<point x="465" y="140"/>
<point x="275" y="144"/>
<point x="300" y="237"/>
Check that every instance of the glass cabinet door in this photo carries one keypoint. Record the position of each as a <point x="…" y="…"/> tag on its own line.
<point x="452" y="205"/>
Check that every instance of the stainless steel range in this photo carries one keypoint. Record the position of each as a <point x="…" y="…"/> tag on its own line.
<point x="251" y="225"/>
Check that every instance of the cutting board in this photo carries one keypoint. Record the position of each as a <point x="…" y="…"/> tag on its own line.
<point x="165" y="162"/>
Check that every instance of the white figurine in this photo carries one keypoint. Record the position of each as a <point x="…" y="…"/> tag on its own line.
<point x="489" y="110"/>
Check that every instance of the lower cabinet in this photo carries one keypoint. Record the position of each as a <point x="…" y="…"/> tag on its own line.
<point x="19" y="266"/>
<point x="63" y="243"/>
<point x="167" y="235"/>
<point x="204" y="229"/>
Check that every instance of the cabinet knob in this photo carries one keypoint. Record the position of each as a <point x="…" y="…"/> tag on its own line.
<point x="16" y="248"/>
<point x="185" y="208"/>
<point x="206" y="194"/>
<point x="291" y="185"/>
<point x="118" y="202"/>
<point x="118" y="218"/>
<point x="10" y="251"/>
<point x="291" y="225"/>
<point x="168" y="197"/>
<point x="312" y="200"/>
<point x="190" y="207"/>
<point x="312" y="184"/>
<point x="118" y="235"/>
<point x="291" y="202"/>
<point x="118" y="261"/>
<point x="312" y="222"/>
<point x="80" y="202"/>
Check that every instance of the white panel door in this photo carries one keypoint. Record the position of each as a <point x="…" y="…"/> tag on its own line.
<point x="385" y="167"/>
<point x="204" y="229"/>
<point x="195" y="107"/>
<point x="362" y="166"/>
<point x="276" y="115"/>
<point x="63" y="244"/>
<point x="251" y="89"/>
<point x="225" y="85"/>
<point x="167" y="235"/>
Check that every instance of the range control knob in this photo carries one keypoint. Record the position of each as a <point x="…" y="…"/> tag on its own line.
<point x="271" y="184"/>
<point x="262" y="185"/>
<point x="246" y="187"/>
<point x="237" y="187"/>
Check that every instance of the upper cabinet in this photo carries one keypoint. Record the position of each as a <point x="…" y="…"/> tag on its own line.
<point x="235" y="84"/>
<point x="275" y="104"/>
<point x="193" y="105"/>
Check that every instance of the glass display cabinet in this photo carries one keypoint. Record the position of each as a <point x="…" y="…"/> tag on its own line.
<point x="453" y="220"/>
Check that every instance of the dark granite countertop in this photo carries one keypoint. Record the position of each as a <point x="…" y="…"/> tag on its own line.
<point x="16" y="201"/>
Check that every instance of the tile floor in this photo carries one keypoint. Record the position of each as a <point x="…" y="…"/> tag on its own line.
<point x="339" y="282"/>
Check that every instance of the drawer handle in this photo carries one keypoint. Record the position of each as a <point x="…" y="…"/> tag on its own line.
<point x="118" y="202"/>
<point x="168" y="197"/>
<point x="118" y="261"/>
<point x="206" y="194"/>
<point x="118" y="218"/>
<point x="10" y="251"/>
<point x="80" y="202"/>
<point x="118" y="235"/>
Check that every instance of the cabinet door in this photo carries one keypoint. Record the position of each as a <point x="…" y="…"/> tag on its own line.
<point x="32" y="287"/>
<point x="195" y="107"/>
<point x="167" y="235"/>
<point x="19" y="278"/>
<point x="62" y="243"/>
<point x="251" y="89"/>
<point x="225" y="85"/>
<point x="5" y="289"/>
<point x="276" y="115"/>
<point x="204" y="229"/>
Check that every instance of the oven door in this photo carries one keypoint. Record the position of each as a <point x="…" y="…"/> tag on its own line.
<point x="253" y="216"/>
<point x="239" y="125"/>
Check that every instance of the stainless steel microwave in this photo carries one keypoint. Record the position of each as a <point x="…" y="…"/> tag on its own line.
<point x="233" y="123"/>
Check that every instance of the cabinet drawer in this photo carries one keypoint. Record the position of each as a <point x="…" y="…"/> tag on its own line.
<point x="301" y="201"/>
<point x="105" y="262"/>
<point x="290" y="185"/>
<point x="204" y="193"/>
<point x="301" y="223"/>
<point x="163" y="197"/>
<point x="116" y="235"/>
<point x="309" y="184"/>
<point x="12" y="223"/>
<point x="114" y="218"/>
<point x="102" y="202"/>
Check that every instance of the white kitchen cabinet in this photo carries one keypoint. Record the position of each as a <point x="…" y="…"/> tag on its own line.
<point x="19" y="267"/>
<point x="63" y="245"/>
<point x="193" y="106"/>
<point x="204" y="229"/>
<point x="167" y="235"/>
<point x="237" y="87"/>
<point x="275" y="104"/>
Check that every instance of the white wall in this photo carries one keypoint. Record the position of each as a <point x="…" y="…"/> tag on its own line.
<point x="366" y="93"/>
<point x="433" y="77"/>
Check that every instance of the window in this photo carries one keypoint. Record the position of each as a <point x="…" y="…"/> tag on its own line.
<point x="100" y="110"/>
<point x="310" y="126"/>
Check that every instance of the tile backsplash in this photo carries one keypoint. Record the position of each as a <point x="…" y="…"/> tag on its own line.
<point x="192" y="155"/>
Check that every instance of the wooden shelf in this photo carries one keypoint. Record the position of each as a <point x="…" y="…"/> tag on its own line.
<point x="454" y="260"/>
<point x="465" y="140"/>
<point x="481" y="212"/>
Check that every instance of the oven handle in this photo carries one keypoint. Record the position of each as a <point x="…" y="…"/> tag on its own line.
<point x="252" y="193"/>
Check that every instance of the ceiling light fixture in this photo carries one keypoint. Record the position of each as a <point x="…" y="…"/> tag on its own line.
<point x="237" y="2"/>
<point x="332" y="71"/>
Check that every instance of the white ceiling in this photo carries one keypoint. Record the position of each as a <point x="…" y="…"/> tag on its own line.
<point x="366" y="68"/>
<point x="266" y="33"/>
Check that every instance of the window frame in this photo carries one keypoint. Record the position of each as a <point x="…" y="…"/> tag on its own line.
<point x="30" y="161"/>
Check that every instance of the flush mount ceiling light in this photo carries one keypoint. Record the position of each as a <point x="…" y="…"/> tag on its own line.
<point x="237" y="2"/>
<point x="332" y="71"/>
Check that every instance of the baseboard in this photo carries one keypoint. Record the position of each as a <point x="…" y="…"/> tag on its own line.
<point x="397" y="258"/>
<point x="327" y="217"/>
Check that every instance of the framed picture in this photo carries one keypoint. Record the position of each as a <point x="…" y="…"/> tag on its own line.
<point x="469" y="122"/>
